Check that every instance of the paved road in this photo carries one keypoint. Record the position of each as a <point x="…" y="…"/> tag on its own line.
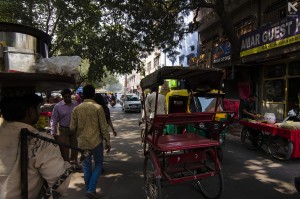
<point x="247" y="174"/>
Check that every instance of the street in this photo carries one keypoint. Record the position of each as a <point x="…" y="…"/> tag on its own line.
<point x="247" y="174"/>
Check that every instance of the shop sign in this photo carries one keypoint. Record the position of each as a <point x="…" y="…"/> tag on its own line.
<point x="292" y="8"/>
<point x="282" y="33"/>
<point x="222" y="52"/>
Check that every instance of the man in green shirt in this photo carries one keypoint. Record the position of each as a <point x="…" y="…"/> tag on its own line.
<point x="89" y="123"/>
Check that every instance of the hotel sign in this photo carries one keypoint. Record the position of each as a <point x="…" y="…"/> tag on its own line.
<point x="284" y="32"/>
<point x="222" y="52"/>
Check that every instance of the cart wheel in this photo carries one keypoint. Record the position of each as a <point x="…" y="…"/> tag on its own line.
<point x="211" y="186"/>
<point x="250" y="141"/>
<point x="280" y="148"/>
<point x="152" y="183"/>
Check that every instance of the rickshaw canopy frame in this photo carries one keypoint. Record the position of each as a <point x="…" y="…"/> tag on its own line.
<point x="197" y="79"/>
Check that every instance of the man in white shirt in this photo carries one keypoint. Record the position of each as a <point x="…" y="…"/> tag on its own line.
<point x="150" y="103"/>
<point x="45" y="163"/>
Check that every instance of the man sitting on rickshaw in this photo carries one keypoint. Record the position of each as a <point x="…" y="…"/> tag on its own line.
<point x="150" y="103"/>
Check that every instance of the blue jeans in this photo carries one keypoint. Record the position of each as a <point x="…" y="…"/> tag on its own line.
<point x="91" y="176"/>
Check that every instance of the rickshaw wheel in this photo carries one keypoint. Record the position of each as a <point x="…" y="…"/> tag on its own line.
<point x="152" y="183"/>
<point x="220" y="153"/>
<point x="280" y="148"/>
<point x="212" y="186"/>
<point x="143" y="141"/>
<point x="145" y="147"/>
<point x="249" y="141"/>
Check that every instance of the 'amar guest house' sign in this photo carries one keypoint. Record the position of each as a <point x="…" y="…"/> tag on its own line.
<point x="282" y="33"/>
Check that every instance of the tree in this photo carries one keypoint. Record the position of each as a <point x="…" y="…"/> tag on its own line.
<point x="160" y="23"/>
<point x="107" y="80"/>
<point x="87" y="28"/>
<point x="114" y="34"/>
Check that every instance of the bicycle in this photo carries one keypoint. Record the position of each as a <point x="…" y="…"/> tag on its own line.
<point x="279" y="147"/>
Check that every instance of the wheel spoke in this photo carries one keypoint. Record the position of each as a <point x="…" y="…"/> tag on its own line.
<point x="251" y="140"/>
<point x="280" y="148"/>
<point x="152" y="184"/>
<point x="212" y="186"/>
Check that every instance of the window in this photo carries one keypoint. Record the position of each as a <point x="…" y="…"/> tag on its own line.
<point x="192" y="47"/>
<point x="148" y="67"/>
<point x="274" y="71"/>
<point x="275" y="11"/>
<point x="274" y="90"/>
<point x="294" y="68"/>
<point x="156" y="62"/>
<point x="274" y="83"/>
<point x="189" y="58"/>
<point x="181" y="60"/>
<point x="245" y="25"/>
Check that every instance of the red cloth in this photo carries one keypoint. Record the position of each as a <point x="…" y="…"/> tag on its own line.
<point x="244" y="90"/>
<point x="46" y="114"/>
<point x="232" y="105"/>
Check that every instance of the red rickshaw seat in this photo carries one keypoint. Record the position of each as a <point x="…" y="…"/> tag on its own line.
<point x="182" y="141"/>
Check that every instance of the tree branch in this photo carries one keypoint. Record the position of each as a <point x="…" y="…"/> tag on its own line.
<point x="64" y="36"/>
<point x="55" y="23"/>
<point x="48" y="17"/>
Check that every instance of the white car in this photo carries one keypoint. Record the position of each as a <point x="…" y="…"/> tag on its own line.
<point x="123" y="97"/>
<point x="132" y="104"/>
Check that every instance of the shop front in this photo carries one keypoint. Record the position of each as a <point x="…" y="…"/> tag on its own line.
<point x="281" y="87"/>
<point x="274" y="52"/>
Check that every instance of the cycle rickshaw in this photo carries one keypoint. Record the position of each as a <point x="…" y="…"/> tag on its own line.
<point x="187" y="155"/>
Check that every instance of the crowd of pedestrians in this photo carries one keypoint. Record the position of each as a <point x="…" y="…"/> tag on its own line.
<point x="79" y="120"/>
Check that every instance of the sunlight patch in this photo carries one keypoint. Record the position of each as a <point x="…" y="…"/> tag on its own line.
<point x="113" y="175"/>
<point x="240" y="176"/>
<point x="274" y="165"/>
<point x="121" y="156"/>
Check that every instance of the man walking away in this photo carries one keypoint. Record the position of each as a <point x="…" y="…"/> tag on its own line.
<point x="89" y="123"/>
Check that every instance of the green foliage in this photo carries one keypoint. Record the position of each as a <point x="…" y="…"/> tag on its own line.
<point x="159" y="23"/>
<point x="113" y="35"/>
<point x="83" y="27"/>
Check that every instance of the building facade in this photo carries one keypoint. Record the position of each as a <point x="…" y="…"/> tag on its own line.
<point x="188" y="49"/>
<point x="269" y="34"/>
<point x="132" y="83"/>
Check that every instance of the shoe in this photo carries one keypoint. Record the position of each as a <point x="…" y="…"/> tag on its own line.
<point x="91" y="195"/>
<point x="78" y="167"/>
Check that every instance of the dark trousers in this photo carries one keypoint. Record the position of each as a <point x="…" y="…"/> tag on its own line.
<point x="66" y="137"/>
